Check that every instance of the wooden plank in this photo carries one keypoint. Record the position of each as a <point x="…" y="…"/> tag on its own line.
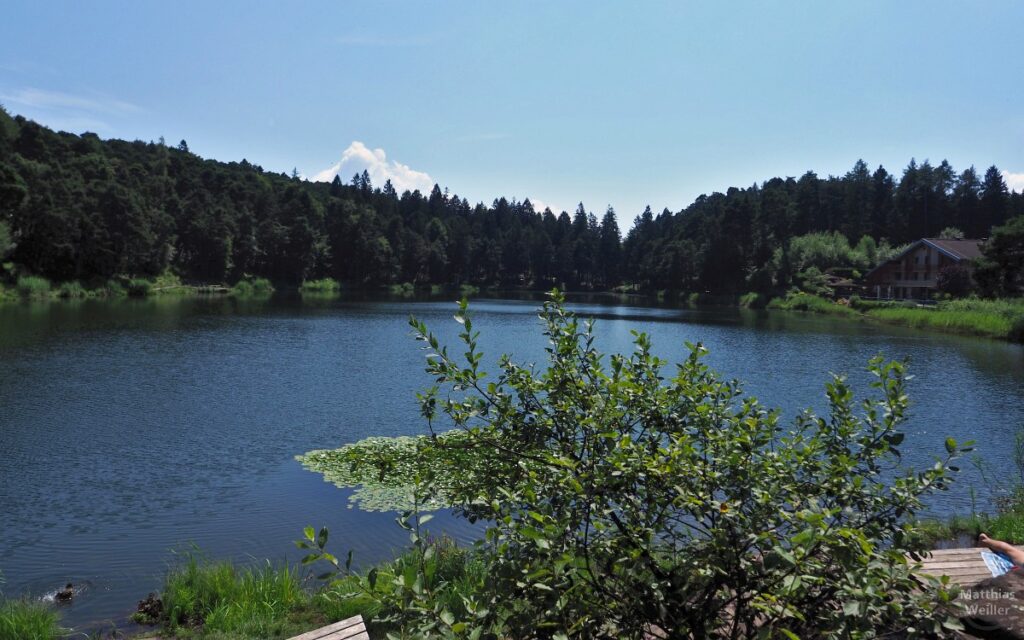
<point x="338" y="636"/>
<point x="963" y="566"/>
<point x="353" y="627"/>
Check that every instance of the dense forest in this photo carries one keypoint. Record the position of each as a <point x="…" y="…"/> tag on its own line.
<point x="76" y="207"/>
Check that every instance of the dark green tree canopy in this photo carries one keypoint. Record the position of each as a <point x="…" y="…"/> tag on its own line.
<point x="78" y="207"/>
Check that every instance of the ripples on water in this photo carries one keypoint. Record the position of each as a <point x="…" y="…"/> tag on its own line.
<point x="131" y="429"/>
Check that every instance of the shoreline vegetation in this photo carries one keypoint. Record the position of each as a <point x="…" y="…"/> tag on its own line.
<point x="999" y="318"/>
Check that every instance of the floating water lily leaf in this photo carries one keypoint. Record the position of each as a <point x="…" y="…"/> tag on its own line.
<point x="382" y="471"/>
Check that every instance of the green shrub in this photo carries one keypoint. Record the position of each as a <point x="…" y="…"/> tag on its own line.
<point x="324" y="285"/>
<point x="262" y="286"/>
<point x="385" y="595"/>
<point x="404" y="289"/>
<point x="252" y="287"/>
<point x="168" y="282"/>
<point x="139" y="287"/>
<point x="753" y="301"/>
<point x="798" y="301"/>
<point x="242" y="289"/>
<point x="25" y="620"/>
<point x="73" y="289"/>
<point x="113" y="288"/>
<point x="33" y="287"/>
<point x="616" y="498"/>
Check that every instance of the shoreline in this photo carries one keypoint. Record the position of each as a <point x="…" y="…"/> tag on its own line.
<point x="999" y="318"/>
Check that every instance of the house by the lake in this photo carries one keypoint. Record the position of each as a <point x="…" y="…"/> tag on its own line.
<point x="913" y="274"/>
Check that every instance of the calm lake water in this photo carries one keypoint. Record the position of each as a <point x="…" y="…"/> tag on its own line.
<point x="132" y="429"/>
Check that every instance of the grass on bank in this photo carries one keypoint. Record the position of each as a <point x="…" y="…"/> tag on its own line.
<point x="798" y="301"/>
<point x="252" y="288"/>
<point x="1006" y="523"/>
<point x="323" y="285"/>
<point x="206" y="600"/>
<point x="27" y="620"/>
<point x="39" y="288"/>
<point x="33" y="287"/>
<point x="408" y="289"/>
<point x="1001" y="318"/>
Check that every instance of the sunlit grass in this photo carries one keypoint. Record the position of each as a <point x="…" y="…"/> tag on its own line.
<point x="26" y="620"/>
<point x="217" y="599"/>
<point x="251" y="288"/>
<point x="1002" y="318"/>
<point x="323" y="285"/>
<point x="811" y="303"/>
<point x="209" y="600"/>
<point x="33" y="287"/>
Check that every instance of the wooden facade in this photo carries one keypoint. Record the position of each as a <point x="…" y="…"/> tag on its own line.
<point x="913" y="274"/>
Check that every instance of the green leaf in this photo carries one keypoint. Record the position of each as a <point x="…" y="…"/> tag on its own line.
<point x="950" y="445"/>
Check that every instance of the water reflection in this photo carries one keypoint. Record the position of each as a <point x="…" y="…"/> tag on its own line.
<point x="131" y="427"/>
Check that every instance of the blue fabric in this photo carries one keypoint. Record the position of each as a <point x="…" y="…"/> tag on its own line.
<point x="997" y="563"/>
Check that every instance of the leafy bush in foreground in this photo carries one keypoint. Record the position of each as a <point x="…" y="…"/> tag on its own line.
<point x="620" y="502"/>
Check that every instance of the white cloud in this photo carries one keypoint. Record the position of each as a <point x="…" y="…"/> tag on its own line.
<point x="358" y="158"/>
<point x="42" y="99"/>
<point x="540" y="205"/>
<point x="1014" y="180"/>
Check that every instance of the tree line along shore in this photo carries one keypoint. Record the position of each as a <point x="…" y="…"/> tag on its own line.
<point x="81" y="209"/>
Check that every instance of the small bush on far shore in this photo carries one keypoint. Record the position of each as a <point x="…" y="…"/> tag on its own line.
<point x="323" y="285"/>
<point x="754" y="300"/>
<point x="33" y="287"/>
<point x="73" y="289"/>
<point x="798" y="301"/>
<point x="252" y="287"/>
<point x="403" y="289"/>
<point x="113" y="288"/>
<point x="139" y="287"/>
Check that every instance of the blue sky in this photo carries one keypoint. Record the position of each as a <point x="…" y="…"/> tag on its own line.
<point x="609" y="103"/>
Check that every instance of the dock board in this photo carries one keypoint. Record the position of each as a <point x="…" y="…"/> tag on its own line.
<point x="349" y="629"/>
<point x="963" y="566"/>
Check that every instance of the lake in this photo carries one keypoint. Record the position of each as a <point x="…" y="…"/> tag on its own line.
<point x="133" y="429"/>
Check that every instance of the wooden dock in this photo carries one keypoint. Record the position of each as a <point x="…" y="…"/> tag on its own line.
<point x="349" y="629"/>
<point x="963" y="566"/>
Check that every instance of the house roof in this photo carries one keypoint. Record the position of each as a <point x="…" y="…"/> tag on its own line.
<point x="959" y="249"/>
<point x="967" y="249"/>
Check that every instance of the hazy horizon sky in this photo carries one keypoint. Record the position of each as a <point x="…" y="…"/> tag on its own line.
<point x="621" y="104"/>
